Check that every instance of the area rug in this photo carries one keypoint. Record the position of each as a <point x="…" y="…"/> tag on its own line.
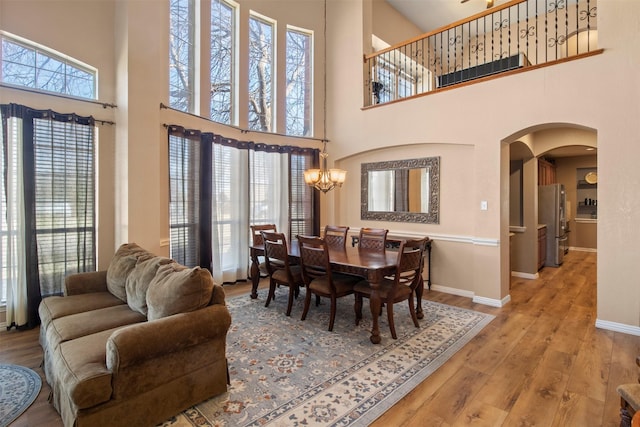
<point x="288" y="372"/>
<point x="19" y="387"/>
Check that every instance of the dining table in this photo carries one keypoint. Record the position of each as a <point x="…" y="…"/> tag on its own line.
<point x="369" y="264"/>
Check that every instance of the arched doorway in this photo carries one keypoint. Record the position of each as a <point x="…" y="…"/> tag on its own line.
<point x="570" y="151"/>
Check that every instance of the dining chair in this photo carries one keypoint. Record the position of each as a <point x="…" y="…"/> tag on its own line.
<point x="400" y="286"/>
<point x="372" y="239"/>
<point x="257" y="240"/>
<point x="336" y="236"/>
<point x="318" y="277"/>
<point x="281" y="272"/>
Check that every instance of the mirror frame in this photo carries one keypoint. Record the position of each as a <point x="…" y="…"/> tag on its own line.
<point x="432" y="217"/>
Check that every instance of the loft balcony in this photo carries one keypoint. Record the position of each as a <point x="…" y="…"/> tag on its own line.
<point x="515" y="37"/>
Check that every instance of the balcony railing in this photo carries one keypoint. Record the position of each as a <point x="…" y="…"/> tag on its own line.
<point x="514" y="36"/>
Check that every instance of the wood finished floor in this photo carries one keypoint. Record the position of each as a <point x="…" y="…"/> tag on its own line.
<point x="540" y="362"/>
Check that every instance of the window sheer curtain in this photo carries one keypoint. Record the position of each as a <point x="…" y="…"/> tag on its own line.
<point x="269" y="189"/>
<point x="219" y="186"/>
<point x="48" y="205"/>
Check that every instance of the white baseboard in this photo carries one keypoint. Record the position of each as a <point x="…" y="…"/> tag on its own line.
<point x="492" y="302"/>
<point x="531" y="276"/>
<point x="453" y="291"/>
<point x="618" y="327"/>
<point x="469" y="294"/>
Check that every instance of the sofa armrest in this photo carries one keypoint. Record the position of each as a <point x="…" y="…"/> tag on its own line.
<point x="138" y="343"/>
<point x="84" y="283"/>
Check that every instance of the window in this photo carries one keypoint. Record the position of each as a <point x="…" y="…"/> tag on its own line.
<point x="238" y="183"/>
<point x="184" y="198"/>
<point x="261" y="48"/>
<point x="396" y="83"/>
<point x="298" y="91"/>
<point x="35" y="67"/>
<point x="223" y="27"/>
<point x="47" y="224"/>
<point x="302" y="198"/>
<point x="182" y="55"/>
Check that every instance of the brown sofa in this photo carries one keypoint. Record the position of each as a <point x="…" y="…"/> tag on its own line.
<point x="135" y="344"/>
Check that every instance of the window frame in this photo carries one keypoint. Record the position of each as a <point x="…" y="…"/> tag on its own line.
<point x="272" y="115"/>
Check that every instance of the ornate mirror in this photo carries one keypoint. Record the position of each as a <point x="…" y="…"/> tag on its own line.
<point x="401" y="190"/>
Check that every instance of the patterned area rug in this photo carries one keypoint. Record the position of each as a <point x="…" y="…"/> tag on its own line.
<point x="288" y="372"/>
<point x="19" y="387"/>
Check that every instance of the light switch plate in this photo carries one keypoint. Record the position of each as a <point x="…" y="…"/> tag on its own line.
<point x="484" y="205"/>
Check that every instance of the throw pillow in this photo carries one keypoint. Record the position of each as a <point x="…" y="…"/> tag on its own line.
<point x="139" y="279"/>
<point x="178" y="289"/>
<point x="121" y="265"/>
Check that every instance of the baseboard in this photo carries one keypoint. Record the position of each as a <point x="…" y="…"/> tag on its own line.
<point x="492" y="302"/>
<point x="531" y="276"/>
<point x="469" y="294"/>
<point x="453" y="291"/>
<point x="618" y="327"/>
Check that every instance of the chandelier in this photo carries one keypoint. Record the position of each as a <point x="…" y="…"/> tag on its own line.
<point x="324" y="179"/>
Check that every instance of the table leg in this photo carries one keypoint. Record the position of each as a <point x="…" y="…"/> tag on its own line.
<point x="374" y="302"/>
<point x="255" y="274"/>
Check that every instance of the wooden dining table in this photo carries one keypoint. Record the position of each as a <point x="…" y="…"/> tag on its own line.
<point x="371" y="265"/>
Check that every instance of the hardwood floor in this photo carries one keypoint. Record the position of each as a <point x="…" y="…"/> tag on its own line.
<point x="540" y="362"/>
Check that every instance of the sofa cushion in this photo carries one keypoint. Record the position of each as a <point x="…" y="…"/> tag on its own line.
<point x="121" y="265"/>
<point x="138" y="280"/>
<point x="82" y="324"/>
<point x="55" y="307"/>
<point x="81" y="369"/>
<point x="178" y="289"/>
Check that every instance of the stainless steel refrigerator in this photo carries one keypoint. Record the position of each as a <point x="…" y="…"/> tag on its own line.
<point x="552" y="201"/>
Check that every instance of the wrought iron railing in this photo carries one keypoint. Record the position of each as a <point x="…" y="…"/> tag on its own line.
<point x="513" y="36"/>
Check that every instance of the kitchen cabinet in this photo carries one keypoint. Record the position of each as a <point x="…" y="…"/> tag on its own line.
<point x="546" y="172"/>
<point x="542" y="245"/>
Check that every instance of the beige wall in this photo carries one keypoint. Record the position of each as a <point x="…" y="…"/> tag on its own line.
<point x="469" y="127"/>
<point x="485" y="116"/>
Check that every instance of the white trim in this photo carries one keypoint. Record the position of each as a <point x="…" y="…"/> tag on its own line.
<point x="493" y="302"/>
<point x="531" y="276"/>
<point x="452" y="291"/>
<point x="573" y="248"/>
<point x="618" y="327"/>
<point x="480" y="241"/>
<point x="469" y="294"/>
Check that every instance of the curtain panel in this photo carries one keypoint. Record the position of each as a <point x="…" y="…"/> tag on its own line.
<point x="47" y="228"/>
<point x="220" y="186"/>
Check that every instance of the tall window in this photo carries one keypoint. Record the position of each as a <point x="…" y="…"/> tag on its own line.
<point x="298" y="98"/>
<point x="27" y="65"/>
<point x="261" y="48"/>
<point x="182" y="55"/>
<point x="47" y="224"/>
<point x="222" y="61"/>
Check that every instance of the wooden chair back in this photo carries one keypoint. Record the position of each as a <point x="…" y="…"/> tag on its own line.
<point x="372" y="239"/>
<point x="336" y="236"/>
<point x="276" y="252"/>
<point x="410" y="263"/>
<point x="314" y="258"/>
<point x="256" y="232"/>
